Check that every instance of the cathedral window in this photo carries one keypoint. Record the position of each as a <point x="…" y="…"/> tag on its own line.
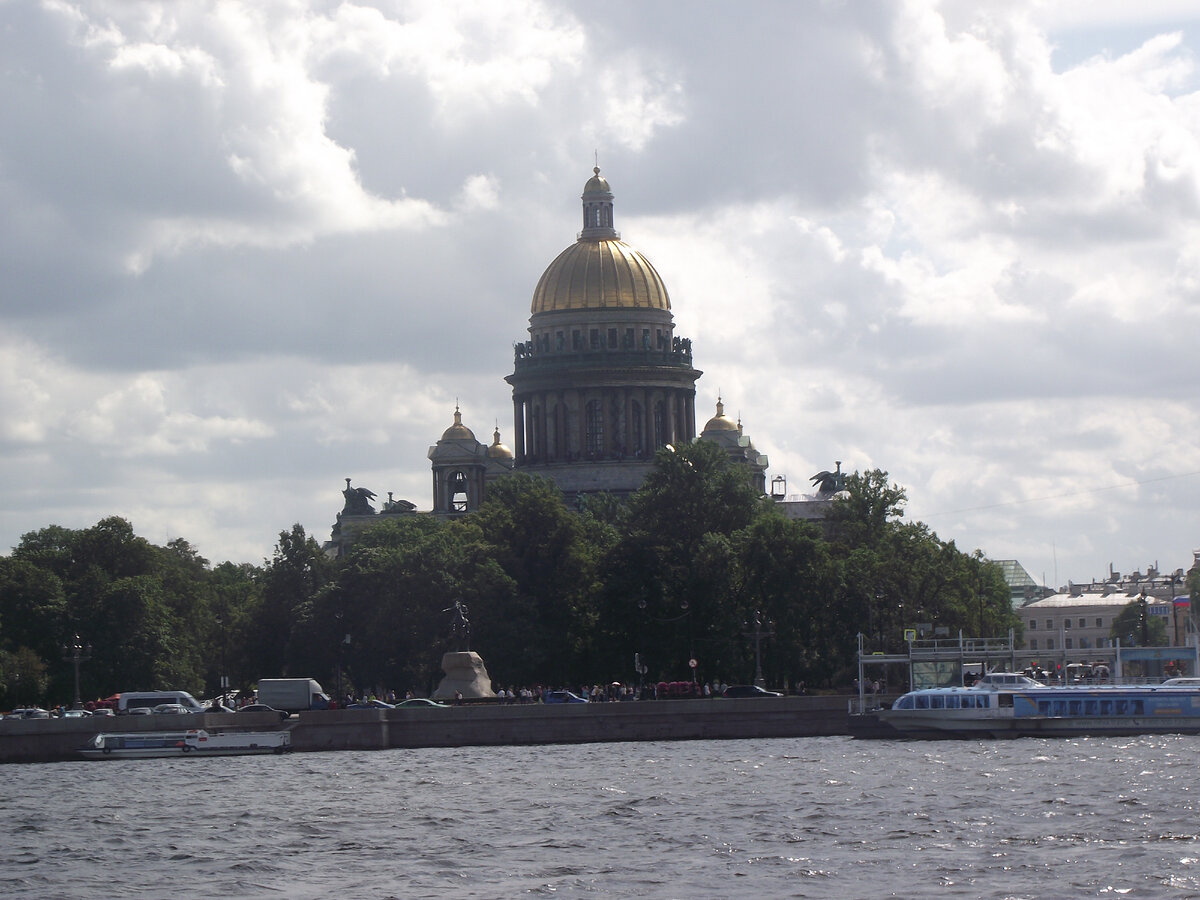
<point x="660" y="425"/>
<point x="558" y="341"/>
<point x="576" y="339"/>
<point x="636" y="435"/>
<point x="628" y="338"/>
<point x="594" y="336"/>
<point x="612" y="339"/>
<point x="595" y="427"/>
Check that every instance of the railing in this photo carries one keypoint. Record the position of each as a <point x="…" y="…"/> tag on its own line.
<point x="551" y="359"/>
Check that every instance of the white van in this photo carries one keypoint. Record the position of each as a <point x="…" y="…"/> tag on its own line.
<point x="151" y="699"/>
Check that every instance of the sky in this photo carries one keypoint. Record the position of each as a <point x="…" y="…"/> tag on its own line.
<point x="249" y="248"/>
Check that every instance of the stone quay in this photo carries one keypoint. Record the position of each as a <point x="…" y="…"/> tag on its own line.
<point x="468" y="725"/>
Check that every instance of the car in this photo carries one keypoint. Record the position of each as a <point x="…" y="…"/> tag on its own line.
<point x="75" y="714"/>
<point x="262" y="707"/>
<point x="139" y="711"/>
<point x="171" y="709"/>
<point x="420" y="701"/>
<point x="370" y="704"/>
<point x="30" y="712"/>
<point x="102" y="711"/>
<point x="563" y="697"/>
<point x="738" y="691"/>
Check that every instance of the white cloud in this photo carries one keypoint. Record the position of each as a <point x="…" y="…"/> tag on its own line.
<point x="252" y="249"/>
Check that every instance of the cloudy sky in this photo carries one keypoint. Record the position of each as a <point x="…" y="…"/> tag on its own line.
<point x="249" y="248"/>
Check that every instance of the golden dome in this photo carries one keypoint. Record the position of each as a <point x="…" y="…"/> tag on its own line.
<point x="458" y="431"/>
<point x="597" y="184"/>
<point x="497" y="450"/>
<point x="721" y="422"/>
<point x="599" y="271"/>
<point x="606" y="274"/>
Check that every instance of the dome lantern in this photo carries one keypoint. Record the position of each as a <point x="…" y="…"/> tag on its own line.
<point x="598" y="210"/>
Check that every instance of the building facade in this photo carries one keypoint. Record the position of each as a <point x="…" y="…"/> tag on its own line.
<point x="1080" y="618"/>
<point x="603" y="381"/>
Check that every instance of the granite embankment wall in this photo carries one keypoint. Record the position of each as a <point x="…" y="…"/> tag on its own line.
<point x="42" y="740"/>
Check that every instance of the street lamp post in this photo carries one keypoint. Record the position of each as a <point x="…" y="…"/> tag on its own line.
<point x="222" y="678"/>
<point x="77" y="653"/>
<point x="758" y="634"/>
<point x="342" y="641"/>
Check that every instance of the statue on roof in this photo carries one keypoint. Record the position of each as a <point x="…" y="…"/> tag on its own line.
<point x="358" y="501"/>
<point x="830" y="482"/>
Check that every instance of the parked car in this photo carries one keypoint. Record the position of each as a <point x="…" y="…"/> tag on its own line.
<point x="75" y="714"/>
<point x="563" y="697"/>
<point x="30" y="712"/>
<point x="735" y="691"/>
<point x="139" y="711"/>
<point x="262" y="707"/>
<point x="421" y="701"/>
<point x="371" y="704"/>
<point x="102" y="711"/>
<point x="172" y="709"/>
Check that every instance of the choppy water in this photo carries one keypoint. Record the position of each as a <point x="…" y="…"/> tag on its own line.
<point x="811" y="817"/>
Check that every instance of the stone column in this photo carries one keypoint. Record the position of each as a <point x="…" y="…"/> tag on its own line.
<point x="518" y="430"/>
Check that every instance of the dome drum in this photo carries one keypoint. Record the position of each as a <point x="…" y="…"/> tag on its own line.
<point x="527" y="358"/>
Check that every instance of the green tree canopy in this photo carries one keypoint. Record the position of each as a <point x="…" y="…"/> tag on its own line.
<point x="1133" y="626"/>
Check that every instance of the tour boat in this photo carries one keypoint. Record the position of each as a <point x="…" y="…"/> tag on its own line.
<point x="1003" y="704"/>
<point x="194" y="742"/>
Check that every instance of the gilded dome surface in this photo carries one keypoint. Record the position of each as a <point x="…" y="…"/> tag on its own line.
<point x="497" y="450"/>
<point x="721" y="422"/>
<point x="458" y="431"/>
<point x="606" y="274"/>
<point x="597" y="184"/>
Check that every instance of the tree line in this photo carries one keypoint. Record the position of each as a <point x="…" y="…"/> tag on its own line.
<point x="690" y="567"/>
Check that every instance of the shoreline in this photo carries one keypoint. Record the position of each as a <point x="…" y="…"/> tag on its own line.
<point x="470" y="725"/>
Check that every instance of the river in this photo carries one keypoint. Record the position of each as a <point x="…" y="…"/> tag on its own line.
<point x="806" y="818"/>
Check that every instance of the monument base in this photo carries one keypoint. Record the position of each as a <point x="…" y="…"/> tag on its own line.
<point x="466" y="675"/>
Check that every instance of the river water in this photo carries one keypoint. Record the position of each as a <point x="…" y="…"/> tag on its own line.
<point x="809" y="817"/>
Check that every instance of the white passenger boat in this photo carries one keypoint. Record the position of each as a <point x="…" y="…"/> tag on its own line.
<point x="194" y="742"/>
<point x="1003" y="704"/>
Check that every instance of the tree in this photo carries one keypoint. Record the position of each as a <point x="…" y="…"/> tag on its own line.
<point x="290" y="581"/>
<point x="1133" y="626"/>
<point x="236" y="589"/>
<point x="543" y="630"/>
<point x="669" y="578"/>
<point x="392" y="594"/>
<point x="787" y="575"/>
<point x="861" y="517"/>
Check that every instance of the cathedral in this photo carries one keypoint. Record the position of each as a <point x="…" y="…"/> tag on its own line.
<point x="601" y="383"/>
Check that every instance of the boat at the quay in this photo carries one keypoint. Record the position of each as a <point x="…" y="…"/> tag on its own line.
<point x="194" y="741"/>
<point x="1004" y="704"/>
